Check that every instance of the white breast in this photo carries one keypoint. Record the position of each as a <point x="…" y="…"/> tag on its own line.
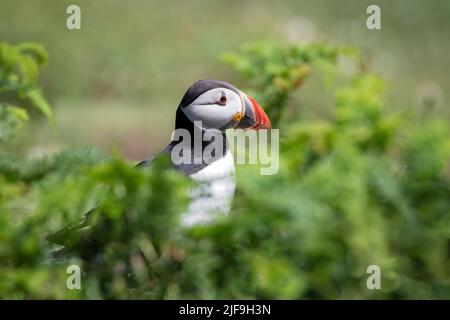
<point x="213" y="194"/>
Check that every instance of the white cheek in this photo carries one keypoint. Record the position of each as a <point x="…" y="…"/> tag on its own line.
<point x="213" y="116"/>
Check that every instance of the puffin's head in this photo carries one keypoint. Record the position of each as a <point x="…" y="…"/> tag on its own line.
<point x="219" y="105"/>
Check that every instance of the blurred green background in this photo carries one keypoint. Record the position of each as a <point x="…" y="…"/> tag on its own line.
<point x="364" y="155"/>
<point x="119" y="79"/>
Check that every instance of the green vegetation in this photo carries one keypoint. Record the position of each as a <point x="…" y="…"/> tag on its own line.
<point x="118" y="80"/>
<point x="18" y="75"/>
<point x="367" y="185"/>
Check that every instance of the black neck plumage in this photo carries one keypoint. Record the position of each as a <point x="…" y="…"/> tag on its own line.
<point x="182" y="122"/>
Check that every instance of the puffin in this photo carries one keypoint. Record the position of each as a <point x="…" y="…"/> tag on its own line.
<point x="208" y="105"/>
<point x="211" y="105"/>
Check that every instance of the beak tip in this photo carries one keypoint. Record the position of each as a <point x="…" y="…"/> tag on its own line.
<point x="262" y="121"/>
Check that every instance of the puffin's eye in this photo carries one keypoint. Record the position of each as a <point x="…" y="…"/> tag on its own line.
<point x="222" y="101"/>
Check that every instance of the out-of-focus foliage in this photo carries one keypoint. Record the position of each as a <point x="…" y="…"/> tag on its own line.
<point x="279" y="70"/>
<point x="19" y="69"/>
<point x="368" y="187"/>
<point x="136" y="209"/>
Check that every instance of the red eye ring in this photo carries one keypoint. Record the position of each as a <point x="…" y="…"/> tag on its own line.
<point x="222" y="101"/>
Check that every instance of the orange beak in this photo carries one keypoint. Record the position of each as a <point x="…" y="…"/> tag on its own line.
<point x="253" y="116"/>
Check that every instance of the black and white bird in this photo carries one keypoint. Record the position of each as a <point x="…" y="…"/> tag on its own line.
<point x="208" y="105"/>
<point x="212" y="105"/>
